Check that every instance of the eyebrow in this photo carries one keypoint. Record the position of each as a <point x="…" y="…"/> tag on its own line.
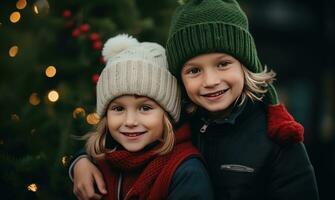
<point x="215" y="57"/>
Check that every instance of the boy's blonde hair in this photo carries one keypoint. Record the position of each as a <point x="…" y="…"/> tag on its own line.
<point x="96" y="140"/>
<point x="255" y="84"/>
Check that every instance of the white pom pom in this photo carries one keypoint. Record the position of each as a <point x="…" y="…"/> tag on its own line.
<point x="117" y="44"/>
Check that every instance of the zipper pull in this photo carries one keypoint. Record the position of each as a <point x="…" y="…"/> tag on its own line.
<point x="204" y="127"/>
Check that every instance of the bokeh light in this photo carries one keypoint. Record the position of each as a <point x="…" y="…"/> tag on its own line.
<point x="92" y="118"/>
<point x="15" y="117"/>
<point x="41" y="7"/>
<point x="15" y="17"/>
<point x="34" y="99"/>
<point x="13" y="51"/>
<point x="78" y="112"/>
<point x="32" y="187"/>
<point x="65" y="160"/>
<point x="50" y="71"/>
<point x="53" y="96"/>
<point x="21" y="4"/>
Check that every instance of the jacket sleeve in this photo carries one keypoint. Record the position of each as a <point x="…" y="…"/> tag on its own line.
<point x="292" y="175"/>
<point x="80" y="154"/>
<point x="191" y="181"/>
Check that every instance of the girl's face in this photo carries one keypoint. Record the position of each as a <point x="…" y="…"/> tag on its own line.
<point x="213" y="81"/>
<point x="134" y="122"/>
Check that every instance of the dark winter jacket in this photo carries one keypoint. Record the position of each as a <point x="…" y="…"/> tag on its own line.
<point x="244" y="163"/>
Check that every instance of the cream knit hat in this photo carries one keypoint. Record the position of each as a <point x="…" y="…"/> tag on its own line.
<point x="135" y="68"/>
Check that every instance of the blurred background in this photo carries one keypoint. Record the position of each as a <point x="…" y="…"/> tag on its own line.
<point x="50" y="60"/>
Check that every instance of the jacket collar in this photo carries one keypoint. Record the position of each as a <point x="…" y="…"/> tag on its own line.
<point x="236" y="112"/>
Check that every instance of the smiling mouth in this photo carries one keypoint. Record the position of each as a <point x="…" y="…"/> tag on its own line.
<point x="133" y="134"/>
<point x="215" y="94"/>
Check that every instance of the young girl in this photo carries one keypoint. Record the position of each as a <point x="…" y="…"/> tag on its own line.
<point x="250" y="153"/>
<point x="211" y="51"/>
<point x="134" y="144"/>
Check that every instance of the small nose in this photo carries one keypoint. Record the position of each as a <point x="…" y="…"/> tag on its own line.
<point x="131" y="119"/>
<point x="211" y="78"/>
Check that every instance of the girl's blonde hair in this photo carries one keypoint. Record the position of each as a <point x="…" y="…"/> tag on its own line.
<point x="95" y="140"/>
<point x="255" y="87"/>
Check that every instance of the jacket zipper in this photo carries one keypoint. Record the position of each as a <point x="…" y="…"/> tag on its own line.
<point x="119" y="182"/>
<point x="204" y="126"/>
<point x="203" y="130"/>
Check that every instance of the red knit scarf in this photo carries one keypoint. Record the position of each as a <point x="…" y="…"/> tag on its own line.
<point x="282" y="127"/>
<point x="146" y="175"/>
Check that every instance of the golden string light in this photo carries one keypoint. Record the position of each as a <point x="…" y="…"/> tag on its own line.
<point x="50" y="71"/>
<point x="34" y="99"/>
<point x="15" y="117"/>
<point x="32" y="187"/>
<point x="15" y="17"/>
<point x="92" y="118"/>
<point x="65" y="160"/>
<point x="41" y="7"/>
<point x="21" y="4"/>
<point x="78" y="112"/>
<point x="13" y="51"/>
<point x="53" y="96"/>
<point x="35" y="8"/>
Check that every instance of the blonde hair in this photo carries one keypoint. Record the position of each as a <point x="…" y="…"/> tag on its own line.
<point x="95" y="140"/>
<point x="255" y="84"/>
<point x="255" y="87"/>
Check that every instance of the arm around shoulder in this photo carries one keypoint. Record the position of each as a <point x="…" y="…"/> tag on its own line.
<point x="191" y="181"/>
<point x="79" y="155"/>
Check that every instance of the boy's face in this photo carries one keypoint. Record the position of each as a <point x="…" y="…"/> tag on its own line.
<point x="134" y="122"/>
<point x="213" y="81"/>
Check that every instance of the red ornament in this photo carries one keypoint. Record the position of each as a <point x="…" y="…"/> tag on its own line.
<point x="84" y="28"/>
<point x="97" y="45"/>
<point x="94" y="36"/>
<point x="95" y="78"/>
<point x="67" y="14"/>
<point x="76" y="32"/>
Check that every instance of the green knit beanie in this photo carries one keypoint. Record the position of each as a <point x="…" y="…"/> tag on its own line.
<point x="205" y="26"/>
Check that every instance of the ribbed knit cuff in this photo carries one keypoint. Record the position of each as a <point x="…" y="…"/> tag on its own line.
<point x="208" y="38"/>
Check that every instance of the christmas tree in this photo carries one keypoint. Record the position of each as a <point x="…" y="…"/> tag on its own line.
<point x="50" y="60"/>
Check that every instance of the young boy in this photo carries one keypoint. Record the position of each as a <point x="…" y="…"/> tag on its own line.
<point x="211" y="51"/>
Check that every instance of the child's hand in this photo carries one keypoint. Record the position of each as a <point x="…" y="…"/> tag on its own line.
<point x="86" y="176"/>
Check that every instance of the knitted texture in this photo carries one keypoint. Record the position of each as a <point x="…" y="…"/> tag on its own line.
<point x="146" y="175"/>
<point x="138" y="69"/>
<point x="206" y="26"/>
<point x="282" y="127"/>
